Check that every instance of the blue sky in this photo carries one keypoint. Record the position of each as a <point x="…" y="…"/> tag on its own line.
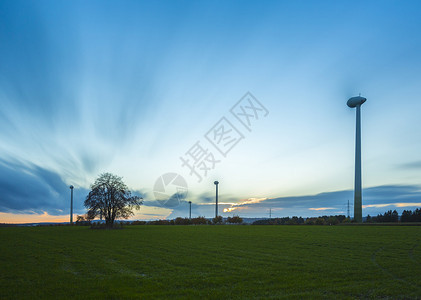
<point x="129" y="87"/>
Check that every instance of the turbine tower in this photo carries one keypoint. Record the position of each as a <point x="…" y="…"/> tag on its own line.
<point x="71" y="204"/>
<point x="216" y="199"/>
<point x="358" y="210"/>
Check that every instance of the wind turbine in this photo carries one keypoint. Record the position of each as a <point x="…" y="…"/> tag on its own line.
<point x="216" y="199"/>
<point x="71" y="204"/>
<point x="358" y="210"/>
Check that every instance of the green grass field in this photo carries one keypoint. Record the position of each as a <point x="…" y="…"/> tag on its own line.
<point x="211" y="262"/>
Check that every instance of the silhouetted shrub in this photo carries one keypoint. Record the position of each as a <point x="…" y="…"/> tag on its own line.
<point x="310" y="221"/>
<point x="161" y="222"/>
<point x="138" y="223"/>
<point x="389" y="216"/>
<point x="200" y="221"/>
<point x="346" y="220"/>
<point x="82" y="220"/>
<point x="235" y="220"/>
<point x="182" y="221"/>
<point x="83" y="223"/>
<point x="332" y="221"/>
<point x="369" y="219"/>
<point x="409" y="216"/>
<point x="217" y="220"/>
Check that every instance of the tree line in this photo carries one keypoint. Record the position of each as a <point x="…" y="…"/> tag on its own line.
<point x="81" y="220"/>
<point x="393" y="216"/>
<point x="388" y="217"/>
<point x="323" y="220"/>
<point x="194" y="221"/>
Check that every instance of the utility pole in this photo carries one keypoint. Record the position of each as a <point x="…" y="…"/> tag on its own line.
<point x="348" y="208"/>
<point x="270" y="213"/>
<point x="190" y="210"/>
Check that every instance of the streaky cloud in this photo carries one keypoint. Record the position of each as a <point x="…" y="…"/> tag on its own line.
<point x="28" y="188"/>
<point x="374" y="200"/>
<point x="415" y="165"/>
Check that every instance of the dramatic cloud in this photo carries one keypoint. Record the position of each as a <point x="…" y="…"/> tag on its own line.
<point x="27" y="188"/>
<point x="375" y="199"/>
<point x="244" y="202"/>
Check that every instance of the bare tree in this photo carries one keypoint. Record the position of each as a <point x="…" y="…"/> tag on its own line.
<point x="110" y="198"/>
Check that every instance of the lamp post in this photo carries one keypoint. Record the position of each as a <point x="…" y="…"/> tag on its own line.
<point x="216" y="199"/>
<point x="71" y="204"/>
<point x="190" y="210"/>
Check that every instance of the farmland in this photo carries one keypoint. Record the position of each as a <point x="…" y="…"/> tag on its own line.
<point x="211" y="262"/>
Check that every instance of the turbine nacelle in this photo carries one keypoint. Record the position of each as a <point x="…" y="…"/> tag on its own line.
<point x="355" y="101"/>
